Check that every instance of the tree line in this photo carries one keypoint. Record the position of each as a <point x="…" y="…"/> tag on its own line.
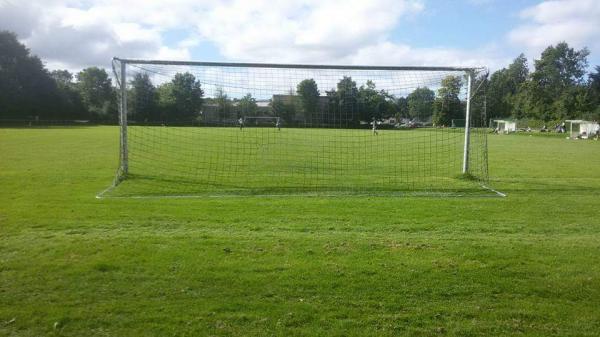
<point x="28" y="90"/>
<point x="557" y="88"/>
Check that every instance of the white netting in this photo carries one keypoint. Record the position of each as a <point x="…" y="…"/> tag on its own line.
<point x="214" y="129"/>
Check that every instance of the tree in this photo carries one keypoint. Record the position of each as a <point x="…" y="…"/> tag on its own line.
<point x="62" y="77"/>
<point x="420" y="103"/>
<point x="347" y="99"/>
<point x="559" y="70"/>
<point x="71" y="104"/>
<point x="224" y="106"/>
<point x="594" y="84"/>
<point x="309" y="97"/>
<point x="594" y="93"/>
<point x="401" y="108"/>
<point x="279" y="108"/>
<point x="287" y="107"/>
<point x="479" y="103"/>
<point x="447" y="105"/>
<point x="573" y="102"/>
<point x="518" y="71"/>
<point x="247" y="106"/>
<point x="166" y="103"/>
<point x="143" y="99"/>
<point x="26" y="88"/>
<point x="186" y="94"/>
<point x="97" y="93"/>
<point x="375" y="104"/>
<point x="369" y="101"/>
<point x="503" y="87"/>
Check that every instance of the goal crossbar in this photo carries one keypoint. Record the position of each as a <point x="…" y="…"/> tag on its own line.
<point x="296" y="66"/>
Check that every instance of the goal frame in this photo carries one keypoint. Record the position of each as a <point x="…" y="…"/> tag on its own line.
<point x="124" y="157"/>
<point x="277" y="119"/>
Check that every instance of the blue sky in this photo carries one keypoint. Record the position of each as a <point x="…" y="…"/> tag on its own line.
<point x="76" y="33"/>
<point x="451" y="24"/>
<point x="464" y="24"/>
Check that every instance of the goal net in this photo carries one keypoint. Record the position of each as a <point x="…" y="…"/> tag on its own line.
<point x="273" y="121"/>
<point x="186" y="129"/>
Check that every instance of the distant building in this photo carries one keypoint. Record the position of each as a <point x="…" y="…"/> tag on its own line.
<point x="389" y="121"/>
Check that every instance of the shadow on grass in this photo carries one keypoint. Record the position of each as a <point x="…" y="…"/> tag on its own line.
<point x="151" y="186"/>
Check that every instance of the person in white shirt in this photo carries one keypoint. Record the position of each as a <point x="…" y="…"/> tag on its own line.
<point x="374" y="126"/>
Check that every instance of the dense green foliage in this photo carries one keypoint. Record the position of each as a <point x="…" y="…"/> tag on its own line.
<point x="504" y="85"/>
<point x="558" y="88"/>
<point x="224" y="105"/>
<point x="247" y="106"/>
<point x="143" y="99"/>
<point x="74" y="265"/>
<point x="345" y="99"/>
<point x="29" y="91"/>
<point x="309" y="96"/>
<point x="291" y="106"/>
<point x="420" y="103"/>
<point x="375" y="104"/>
<point x="97" y="93"/>
<point x="72" y="106"/>
<point x="447" y="105"/>
<point x="26" y="88"/>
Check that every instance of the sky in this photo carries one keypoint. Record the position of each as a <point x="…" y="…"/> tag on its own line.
<point x="74" y="34"/>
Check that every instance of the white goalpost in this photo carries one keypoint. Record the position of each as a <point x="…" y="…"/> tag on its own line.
<point x="180" y="129"/>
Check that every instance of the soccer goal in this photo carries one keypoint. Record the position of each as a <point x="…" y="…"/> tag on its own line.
<point x="218" y="129"/>
<point x="267" y="121"/>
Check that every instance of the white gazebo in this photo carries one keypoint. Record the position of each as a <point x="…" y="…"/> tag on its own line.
<point x="582" y="129"/>
<point x="505" y="126"/>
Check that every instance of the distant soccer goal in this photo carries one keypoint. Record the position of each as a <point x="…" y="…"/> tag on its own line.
<point x="218" y="129"/>
<point x="249" y="121"/>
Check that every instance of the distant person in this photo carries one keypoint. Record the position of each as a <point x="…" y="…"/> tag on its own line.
<point x="375" y="127"/>
<point x="278" y="124"/>
<point x="241" y="122"/>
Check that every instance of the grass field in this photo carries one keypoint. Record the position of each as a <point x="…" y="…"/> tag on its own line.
<point x="216" y="161"/>
<point x="73" y="265"/>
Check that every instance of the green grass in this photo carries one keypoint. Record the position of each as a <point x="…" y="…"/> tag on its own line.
<point x="73" y="265"/>
<point x="176" y="161"/>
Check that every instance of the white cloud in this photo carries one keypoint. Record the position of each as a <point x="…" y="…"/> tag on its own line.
<point x="575" y="21"/>
<point x="309" y="31"/>
<point x="400" y="54"/>
<point x="80" y="33"/>
<point x="73" y="35"/>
